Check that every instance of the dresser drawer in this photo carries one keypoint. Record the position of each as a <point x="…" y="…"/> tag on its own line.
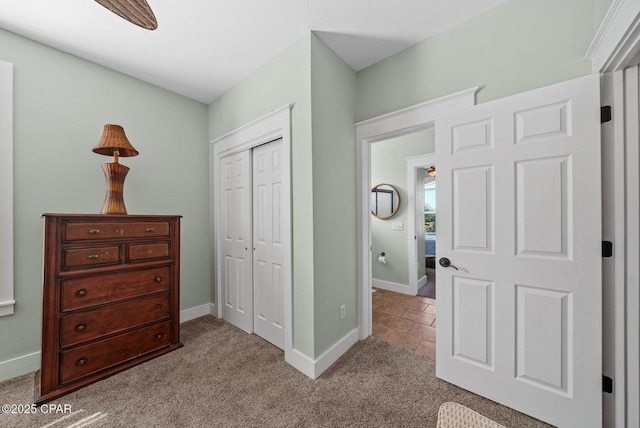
<point x="83" y="231"/>
<point x="158" y="250"/>
<point x="87" y="359"/>
<point x="84" y="292"/>
<point x="87" y="325"/>
<point x="95" y="256"/>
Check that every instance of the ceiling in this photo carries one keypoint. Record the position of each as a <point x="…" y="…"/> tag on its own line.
<point x="202" y="48"/>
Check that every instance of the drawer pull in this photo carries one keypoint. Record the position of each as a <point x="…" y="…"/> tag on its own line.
<point x="150" y="229"/>
<point x="158" y="279"/>
<point x="82" y="361"/>
<point x="93" y="256"/>
<point x="81" y="293"/>
<point x="94" y="231"/>
<point x="157" y="308"/>
<point x="80" y="327"/>
<point x="159" y="336"/>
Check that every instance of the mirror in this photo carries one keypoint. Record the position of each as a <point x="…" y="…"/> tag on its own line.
<point x="385" y="201"/>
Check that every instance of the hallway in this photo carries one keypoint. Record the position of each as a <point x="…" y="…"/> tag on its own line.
<point x="407" y="321"/>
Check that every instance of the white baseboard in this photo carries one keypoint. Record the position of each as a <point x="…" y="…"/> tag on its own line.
<point x="392" y="286"/>
<point x="422" y="281"/>
<point x="197" y="312"/>
<point x="301" y="362"/>
<point x="31" y="362"/>
<point x="314" y="368"/>
<point x="19" y="366"/>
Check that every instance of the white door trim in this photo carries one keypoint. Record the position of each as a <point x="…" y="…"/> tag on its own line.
<point x="631" y="137"/>
<point x="616" y="46"/>
<point x="274" y="125"/>
<point x="369" y="131"/>
<point x="617" y="41"/>
<point x="620" y="212"/>
<point x="414" y="162"/>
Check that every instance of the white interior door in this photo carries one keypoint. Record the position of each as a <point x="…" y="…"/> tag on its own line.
<point x="237" y="293"/>
<point x="519" y="216"/>
<point x="268" y="228"/>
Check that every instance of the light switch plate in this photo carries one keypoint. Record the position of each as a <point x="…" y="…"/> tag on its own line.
<point x="397" y="226"/>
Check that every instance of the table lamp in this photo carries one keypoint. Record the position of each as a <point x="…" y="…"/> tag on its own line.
<point x="114" y="143"/>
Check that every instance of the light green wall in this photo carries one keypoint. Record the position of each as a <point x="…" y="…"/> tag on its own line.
<point x="61" y="104"/>
<point x="520" y="45"/>
<point x="389" y="165"/>
<point x="322" y="89"/>
<point x="602" y="6"/>
<point x="333" y="92"/>
<point x="285" y="79"/>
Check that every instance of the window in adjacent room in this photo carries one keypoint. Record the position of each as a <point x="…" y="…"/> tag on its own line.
<point x="430" y="207"/>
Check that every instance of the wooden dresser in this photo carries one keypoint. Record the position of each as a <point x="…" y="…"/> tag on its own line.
<point x="110" y="297"/>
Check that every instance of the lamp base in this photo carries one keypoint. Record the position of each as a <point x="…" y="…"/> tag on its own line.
<point x="114" y="173"/>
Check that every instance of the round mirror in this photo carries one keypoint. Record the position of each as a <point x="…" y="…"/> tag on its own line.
<point x="385" y="201"/>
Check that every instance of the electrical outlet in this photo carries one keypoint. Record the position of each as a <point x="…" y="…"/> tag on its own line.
<point x="343" y="312"/>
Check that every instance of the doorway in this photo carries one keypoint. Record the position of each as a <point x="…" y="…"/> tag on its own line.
<point x="403" y="122"/>
<point x="397" y="238"/>
<point x="400" y="315"/>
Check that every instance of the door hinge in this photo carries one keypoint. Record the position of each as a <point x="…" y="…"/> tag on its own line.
<point x="605" y="114"/>
<point x="607" y="384"/>
<point x="607" y="249"/>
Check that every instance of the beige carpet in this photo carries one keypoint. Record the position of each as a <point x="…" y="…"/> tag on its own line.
<point x="224" y="377"/>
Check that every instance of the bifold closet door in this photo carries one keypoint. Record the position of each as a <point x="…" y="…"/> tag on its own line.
<point x="268" y="255"/>
<point x="237" y="292"/>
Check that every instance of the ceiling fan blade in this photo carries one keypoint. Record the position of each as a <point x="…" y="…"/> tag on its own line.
<point x="135" y="11"/>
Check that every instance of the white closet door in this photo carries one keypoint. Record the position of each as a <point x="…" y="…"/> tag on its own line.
<point x="237" y="293"/>
<point x="519" y="316"/>
<point x="268" y="228"/>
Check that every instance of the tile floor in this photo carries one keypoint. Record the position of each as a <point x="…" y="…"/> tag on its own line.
<point x="407" y="321"/>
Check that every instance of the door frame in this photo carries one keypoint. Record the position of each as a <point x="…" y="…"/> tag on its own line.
<point x="369" y="131"/>
<point x="272" y="126"/>
<point x="616" y="46"/>
<point x="413" y="163"/>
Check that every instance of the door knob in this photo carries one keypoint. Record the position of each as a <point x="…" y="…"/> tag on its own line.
<point x="445" y="262"/>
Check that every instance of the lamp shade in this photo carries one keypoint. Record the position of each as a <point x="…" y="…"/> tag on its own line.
<point x="114" y="140"/>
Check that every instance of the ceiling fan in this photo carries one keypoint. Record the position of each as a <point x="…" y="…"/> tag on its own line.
<point x="135" y="11"/>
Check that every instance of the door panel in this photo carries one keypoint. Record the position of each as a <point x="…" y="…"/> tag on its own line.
<point x="473" y="209"/>
<point x="542" y="219"/>
<point x="236" y="246"/>
<point x="543" y="337"/>
<point x="519" y="317"/>
<point x="268" y="255"/>
<point x="473" y="321"/>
